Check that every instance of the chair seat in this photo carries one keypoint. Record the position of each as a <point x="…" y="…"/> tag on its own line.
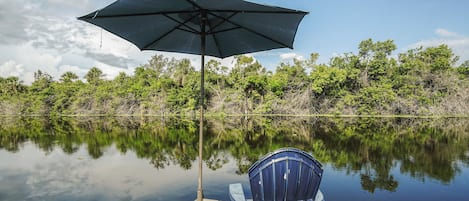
<point x="237" y="194"/>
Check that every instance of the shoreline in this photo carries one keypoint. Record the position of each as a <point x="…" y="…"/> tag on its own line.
<point x="253" y="115"/>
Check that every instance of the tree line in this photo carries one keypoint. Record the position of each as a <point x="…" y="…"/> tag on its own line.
<point x="373" y="81"/>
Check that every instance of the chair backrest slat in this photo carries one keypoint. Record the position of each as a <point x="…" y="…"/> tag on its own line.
<point x="286" y="174"/>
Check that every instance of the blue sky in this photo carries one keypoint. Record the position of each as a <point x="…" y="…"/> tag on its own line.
<point x="337" y="26"/>
<point x="45" y="35"/>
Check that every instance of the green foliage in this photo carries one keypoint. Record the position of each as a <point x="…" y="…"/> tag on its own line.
<point x="290" y="77"/>
<point x="94" y="76"/>
<point x="421" y="81"/>
<point x="375" y="60"/>
<point x="328" y="81"/>
<point x="42" y="82"/>
<point x="11" y="86"/>
<point x="375" y="97"/>
<point x="464" y="69"/>
<point x="68" y="77"/>
<point x="439" y="58"/>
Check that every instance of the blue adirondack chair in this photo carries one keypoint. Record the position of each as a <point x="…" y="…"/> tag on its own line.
<point x="287" y="174"/>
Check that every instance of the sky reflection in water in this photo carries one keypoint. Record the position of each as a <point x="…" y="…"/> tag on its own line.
<point x="158" y="162"/>
<point x="30" y="174"/>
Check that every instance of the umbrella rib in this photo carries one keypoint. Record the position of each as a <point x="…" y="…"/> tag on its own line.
<point x="254" y="32"/>
<point x="179" y="22"/>
<point x="167" y="33"/>
<point x="223" y="21"/>
<point x="215" y="39"/>
<point x="194" y="4"/>
<point x="267" y="11"/>
<point x="189" y="31"/>
<point x="138" y="14"/>
<point x="189" y="11"/>
<point x="286" y="11"/>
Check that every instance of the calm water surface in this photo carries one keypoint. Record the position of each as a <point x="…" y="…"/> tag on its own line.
<point x="156" y="159"/>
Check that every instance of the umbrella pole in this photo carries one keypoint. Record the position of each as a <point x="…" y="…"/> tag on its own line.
<point x="201" y="135"/>
<point x="200" y="195"/>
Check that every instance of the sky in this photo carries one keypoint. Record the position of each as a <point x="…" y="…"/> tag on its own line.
<point x="45" y="34"/>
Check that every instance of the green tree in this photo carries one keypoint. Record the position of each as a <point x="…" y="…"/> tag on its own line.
<point x="289" y="78"/>
<point x="463" y="69"/>
<point x="11" y="86"/>
<point x="94" y="76"/>
<point x="439" y="58"/>
<point x="249" y="78"/>
<point x="180" y="70"/>
<point x="328" y="81"/>
<point x="374" y="59"/>
<point x="41" y="82"/>
<point x="68" y="77"/>
<point x="158" y="63"/>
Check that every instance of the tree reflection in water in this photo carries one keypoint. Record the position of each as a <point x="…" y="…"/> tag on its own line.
<point x="370" y="147"/>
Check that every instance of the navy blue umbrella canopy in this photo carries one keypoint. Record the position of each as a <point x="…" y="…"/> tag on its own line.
<point x="230" y="27"/>
<point x="219" y="28"/>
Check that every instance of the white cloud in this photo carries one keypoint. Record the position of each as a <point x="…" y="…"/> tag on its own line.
<point x="114" y="176"/>
<point x="35" y="61"/>
<point x="11" y="68"/>
<point x="291" y="55"/>
<point x="71" y="3"/>
<point x="35" y="37"/>
<point x="22" y="61"/>
<point x="446" y="33"/>
<point x="45" y="35"/>
<point x="111" y="72"/>
<point x="12" y="22"/>
<point x="229" y="62"/>
<point x="457" y="42"/>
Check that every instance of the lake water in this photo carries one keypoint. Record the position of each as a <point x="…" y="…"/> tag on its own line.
<point x="156" y="159"/>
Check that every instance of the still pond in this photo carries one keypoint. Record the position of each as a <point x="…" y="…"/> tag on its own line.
<point x="109" y="159"/>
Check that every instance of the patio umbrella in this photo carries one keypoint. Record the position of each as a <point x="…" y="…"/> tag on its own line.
<point x="219" y="28"/>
